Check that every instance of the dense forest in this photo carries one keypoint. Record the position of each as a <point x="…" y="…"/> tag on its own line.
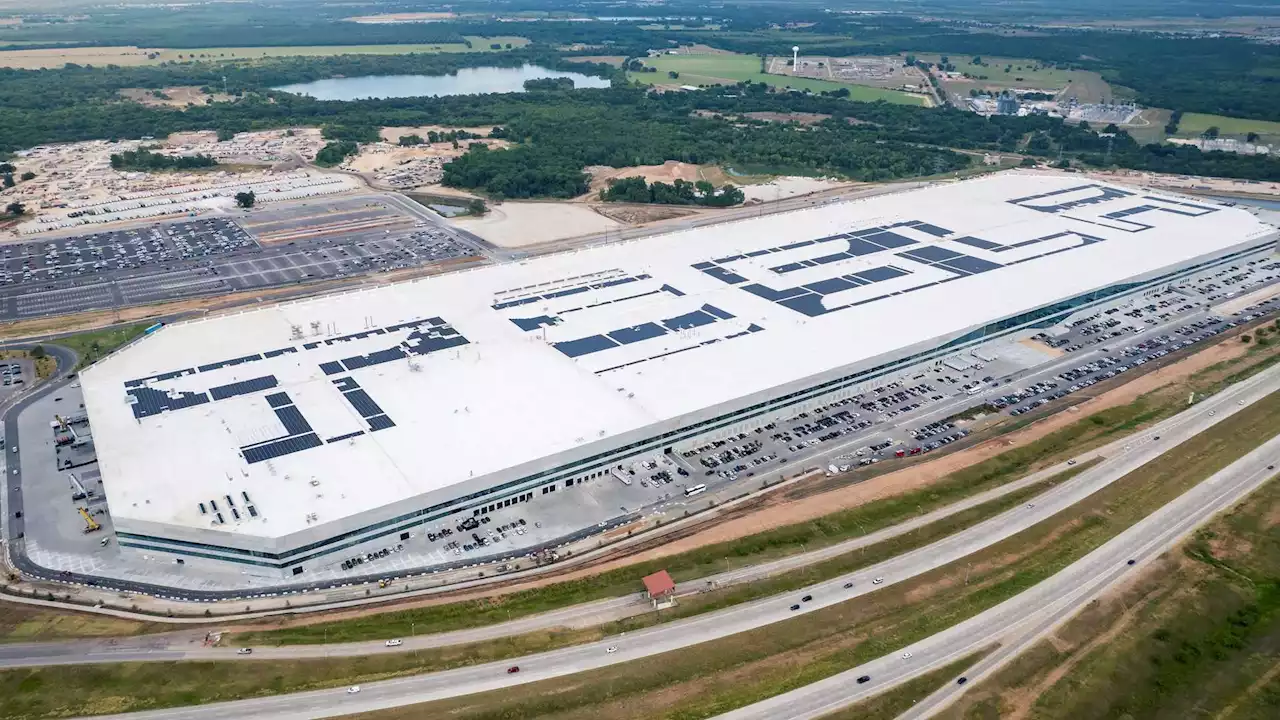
<point x="557" y="131"/>
<point x="147" y="161"/>
<point x="681" y="192"/>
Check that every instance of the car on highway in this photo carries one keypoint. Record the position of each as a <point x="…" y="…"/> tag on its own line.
<point x="244" y="651"/>
<point x="353" y="689"/>
<point x="1071" y="462"/>
<point x="806" y="598"/>
<point x="394" y="643"/>
<point x="610" y="650"/>
<point x="1132" y="561"/>
<point x="863" y="679"/>
<point x="962" y="680"/>
<point x="877" y="581"/>
<point x="796" y="606"/>
<point x="848" y="585"/>
<point x="906" y="656"/>
<point x="513" y="669"/>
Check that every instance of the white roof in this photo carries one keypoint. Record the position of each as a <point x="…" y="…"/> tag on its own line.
<point x="511" y="363"/>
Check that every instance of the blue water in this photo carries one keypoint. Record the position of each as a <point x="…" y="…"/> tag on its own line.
<point x="467" y="81"/>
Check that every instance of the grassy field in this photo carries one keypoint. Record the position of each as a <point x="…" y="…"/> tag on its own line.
<point x="891" y="704"/>
<point x="722" y="674"/>
<point x="1193" y="124"/>
<point x="26" y="623"/>
<point x="1197" y="636"/>
<point x="722" y="69"/>
<point x="93" y="346"/>
<point x="745" y="668"/>
<point x="1022" y="72"/>
<point x="130" y="56"/>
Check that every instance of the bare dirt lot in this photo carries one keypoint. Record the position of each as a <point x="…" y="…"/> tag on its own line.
<point x="642" y="214"/>
<point x="667" y="172"/>
<point x="519" y="224"/>
<point x="180" y="96"/>
<point x="614" y="60"/>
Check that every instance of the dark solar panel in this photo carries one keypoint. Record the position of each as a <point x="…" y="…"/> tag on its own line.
<point x="979" y="243"/>
<point x="381" y="422"/>
<point x="280" y="448"/>
<point x="346" y="383"/>
<point x="880" y="274"/>
<point x="331" y="368"/>
<point x="722" y="314"/>
<point x="645" y="331"/>
<point x="363" y="404"/>
<point x="971" y="264"/>
<point x="585" y="346"/>
<point x="862" y="247"/>
<point x="292" y="419"/>
<point x="244" y="387"/>
<point x="825" y="259"/>
<point x="932" y="229"/>
<point x="278" y="353"/>
<point x="694" y="319"/>
<point x="930" y="253"/>
<point x="830" y="285"/>
<point x="149" y="401"/>
<point x="789" y="267"/>
<point x="724" y="276"/>
<point x="348" y="436"/>
<point x="673" y="291"/>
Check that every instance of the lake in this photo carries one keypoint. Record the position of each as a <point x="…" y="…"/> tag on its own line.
<point x="467" y="81"/>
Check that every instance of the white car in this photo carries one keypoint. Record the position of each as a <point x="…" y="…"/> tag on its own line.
<point x="353" y="689"/>
<point x="877" y="581"/>
<point x="906" y="656"/>
<point x="610" y="650"/>
<point x="394" y="643"/>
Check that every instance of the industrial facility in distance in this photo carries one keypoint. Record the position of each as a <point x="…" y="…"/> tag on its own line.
<point x="285" y="440"/>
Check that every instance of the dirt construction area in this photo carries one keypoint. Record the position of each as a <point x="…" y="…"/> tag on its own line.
<point x="779" y="511"/>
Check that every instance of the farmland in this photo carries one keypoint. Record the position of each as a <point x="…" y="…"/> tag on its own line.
<point x="727" y="68"/>
<point x="126" y="55"/>
<point x="1194" y="124"/>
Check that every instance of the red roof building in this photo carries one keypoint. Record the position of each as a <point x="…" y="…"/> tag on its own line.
<point x="659" y="585"/>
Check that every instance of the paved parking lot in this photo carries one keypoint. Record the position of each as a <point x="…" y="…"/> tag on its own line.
<point x="210" y="256"/>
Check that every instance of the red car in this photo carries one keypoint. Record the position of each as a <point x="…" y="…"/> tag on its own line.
<point x="513" y="669"/>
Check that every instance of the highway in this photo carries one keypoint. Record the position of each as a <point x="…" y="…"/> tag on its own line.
<point x="189" y="645"/>
<point x="1020" y="622"/>
<point x="1163" y="527"/>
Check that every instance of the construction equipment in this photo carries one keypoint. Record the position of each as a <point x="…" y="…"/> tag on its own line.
<point x="78" y="491"/>
<point x="91" y="525"/>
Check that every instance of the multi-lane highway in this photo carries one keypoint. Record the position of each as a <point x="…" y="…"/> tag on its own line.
<point x="1140" y="542"/>
<point x="1020" y="622"/>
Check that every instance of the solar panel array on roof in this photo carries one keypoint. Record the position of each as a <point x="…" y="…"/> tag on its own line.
<point x="244" y="387"/>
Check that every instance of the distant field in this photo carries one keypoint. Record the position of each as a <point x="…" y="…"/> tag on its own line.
<point x="1022" y="72"/>
<point x="133" y="56"/>
<point x="1193" y="124"/>
<point x="723" y="69"/>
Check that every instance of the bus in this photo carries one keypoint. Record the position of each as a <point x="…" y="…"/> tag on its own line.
<point x="695" y="490"/>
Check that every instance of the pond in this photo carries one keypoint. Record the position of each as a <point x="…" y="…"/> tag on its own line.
<point x="467" y="81"/>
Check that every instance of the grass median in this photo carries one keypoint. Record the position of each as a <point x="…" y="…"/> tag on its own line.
<point x="718" y="676"/>
<point x="1197" y="635"/>
<point x="135" y="686"/>
<point x="891" y="704"/>
<point x="1010" y="465"/>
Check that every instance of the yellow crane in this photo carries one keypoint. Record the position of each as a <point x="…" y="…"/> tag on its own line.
<point x="91" y="525"/>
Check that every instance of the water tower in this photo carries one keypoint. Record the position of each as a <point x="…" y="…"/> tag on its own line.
<point x="795" y="59"/>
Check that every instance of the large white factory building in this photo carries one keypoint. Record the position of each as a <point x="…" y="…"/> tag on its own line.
<point x="282" y="438"/>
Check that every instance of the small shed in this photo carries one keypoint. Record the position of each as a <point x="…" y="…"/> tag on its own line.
<point x="659" y="587"/>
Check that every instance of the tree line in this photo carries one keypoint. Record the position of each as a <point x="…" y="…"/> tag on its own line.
<point x="144" y="160"/>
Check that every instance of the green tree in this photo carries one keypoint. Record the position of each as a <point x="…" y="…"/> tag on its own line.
<point x="8" y="180"/>
<point x="1252" y="137"/>
<point x="246" y="199"/>
<point x="16" y="209"/>
<point x="1211" y="133"/>
<point x="477" y="207"/>
<point x="37" y="352"/>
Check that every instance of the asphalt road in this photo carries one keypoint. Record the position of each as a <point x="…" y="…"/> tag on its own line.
<point x="190" y="644"/>
<point x="1158" y="531"/>
<point x="1020" y="622"/>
